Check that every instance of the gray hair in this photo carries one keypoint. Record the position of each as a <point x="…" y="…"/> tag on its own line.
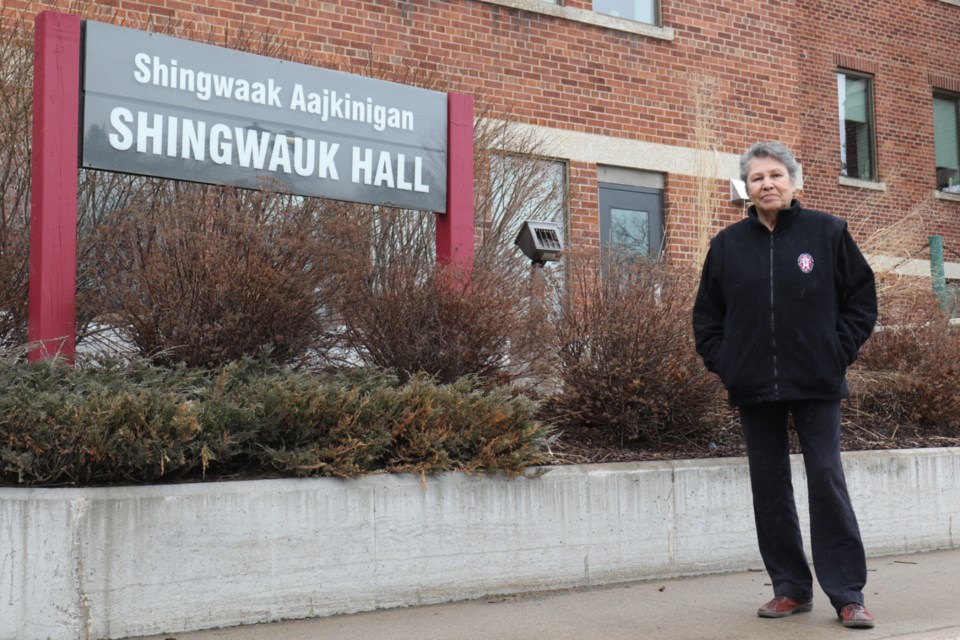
<point x="776" y="150"/>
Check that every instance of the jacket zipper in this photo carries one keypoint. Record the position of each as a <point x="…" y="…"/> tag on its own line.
<point x="773" y="327"/>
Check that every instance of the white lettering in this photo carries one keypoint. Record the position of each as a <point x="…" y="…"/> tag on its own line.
<point x="297" y="100"/>
<point x="274" y="93"/>
<point x="364" y="165"/>
<point x="204" y="85"/>
<point x="242" y="91"/>
<point x="194" y="134"/>
<point x="402" y="183"/>
<point x="221" y="150"/>
<point x="251" y="148"/>
<point x="384" y="171"/>
<point x="418" y="176"/>
<point x="379" y="117"/>
<point x="191" y="139"/>
<point x="142" y="74"/>
<point x="303" y="161"/>
<point x="280" y="158"/>
<point x="149" y="132"/>
<point x="172" y="136"/>
<point x="258" y="93"/>
<point x="327" y="168"/>
<point x="119" y="119"/>
<point x="222" y="86"/>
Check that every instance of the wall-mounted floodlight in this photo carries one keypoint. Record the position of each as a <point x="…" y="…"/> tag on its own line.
<point x="540" y="241"/>
<point x="738" y="191"/>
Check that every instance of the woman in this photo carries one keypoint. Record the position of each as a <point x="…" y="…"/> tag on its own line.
<point x="786" y="299"/>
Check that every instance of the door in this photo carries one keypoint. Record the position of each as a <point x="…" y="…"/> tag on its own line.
<point x="631" y="221"/>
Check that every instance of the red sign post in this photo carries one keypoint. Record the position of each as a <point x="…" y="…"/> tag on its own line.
<point x="455" y="227"/>
<point x="53" y="214"/>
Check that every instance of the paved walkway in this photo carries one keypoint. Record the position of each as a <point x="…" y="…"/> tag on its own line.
<point x="912" y="596"/>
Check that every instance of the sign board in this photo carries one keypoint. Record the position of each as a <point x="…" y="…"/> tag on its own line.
<point x="161" y="106"/>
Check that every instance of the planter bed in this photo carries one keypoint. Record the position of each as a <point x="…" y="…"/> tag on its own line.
<point x="128" y="561"/>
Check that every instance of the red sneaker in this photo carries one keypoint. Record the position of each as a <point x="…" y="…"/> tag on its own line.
<point x="854" y="615"/>
<point x="782" y="606"/>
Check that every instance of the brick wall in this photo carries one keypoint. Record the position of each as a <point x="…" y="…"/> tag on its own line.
<point x="901" y="44"/>
<point x="772" y="65"/>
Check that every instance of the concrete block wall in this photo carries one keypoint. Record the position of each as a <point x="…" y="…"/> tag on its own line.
<point x="121" y="562"/>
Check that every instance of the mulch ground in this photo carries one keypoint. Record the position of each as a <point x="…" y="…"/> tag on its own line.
<point x="577" y="445"/>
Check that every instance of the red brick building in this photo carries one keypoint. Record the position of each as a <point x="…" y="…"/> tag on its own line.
<point x="645" y="105"/>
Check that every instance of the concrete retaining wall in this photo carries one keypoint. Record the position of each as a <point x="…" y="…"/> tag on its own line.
<point x="120" y="562"/>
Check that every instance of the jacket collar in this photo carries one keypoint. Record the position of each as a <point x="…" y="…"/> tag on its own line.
<point x="785" y="217"/>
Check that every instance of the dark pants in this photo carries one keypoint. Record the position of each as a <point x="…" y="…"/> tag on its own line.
<point x="838" y="555"/>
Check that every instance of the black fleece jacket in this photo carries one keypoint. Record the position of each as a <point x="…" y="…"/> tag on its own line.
<point x="780" y="315"/>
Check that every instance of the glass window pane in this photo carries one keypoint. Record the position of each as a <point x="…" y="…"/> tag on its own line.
<point x="856" y="128"/>
<point x="946" y="130"/>
<point x="524" y="188"/>
<point x="629" y="232"/>
<point x="639" y="10"/>
<point x="953" y="298"/>
<point x="855" y="100"/>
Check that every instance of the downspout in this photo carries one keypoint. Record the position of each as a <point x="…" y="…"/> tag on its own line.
<point x="937" y="276"/>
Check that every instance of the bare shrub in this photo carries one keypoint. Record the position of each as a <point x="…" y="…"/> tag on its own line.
<point x="98" y="192"/>
<point x="440" y="322"/>
<point x="143" y="268"/>
<point x="903" y="386"/>
<point x="402" y="310"/>
<point x="627" y="360"/>
<point x="205" y="275"/>
<point x="905" y="382"/>
<point x="16" y="104"/>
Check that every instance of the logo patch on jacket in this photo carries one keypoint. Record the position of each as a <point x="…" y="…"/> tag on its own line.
<point x="805" y="262"/>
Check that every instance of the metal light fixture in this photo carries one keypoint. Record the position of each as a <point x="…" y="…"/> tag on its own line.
<point x="738" y="191"/>
<point x="540" y="241"/>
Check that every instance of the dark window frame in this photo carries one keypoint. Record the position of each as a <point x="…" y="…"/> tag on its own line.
<point x="656" y="221"/>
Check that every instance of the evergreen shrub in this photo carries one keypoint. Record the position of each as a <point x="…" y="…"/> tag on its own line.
<point x="115" y="422"/>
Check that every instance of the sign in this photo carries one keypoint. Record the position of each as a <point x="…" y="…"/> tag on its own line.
<point x="160" y="106"/>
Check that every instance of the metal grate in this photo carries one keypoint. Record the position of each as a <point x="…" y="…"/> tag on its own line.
<point x="548" y="239"/>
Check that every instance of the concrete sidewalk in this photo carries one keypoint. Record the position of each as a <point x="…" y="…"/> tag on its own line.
<point x="911" y="596"/>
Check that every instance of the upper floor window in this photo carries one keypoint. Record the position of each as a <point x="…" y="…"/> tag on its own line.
<point x="857" y="148"/>
<point x="946" y="133"/>
<point x="639" y="10"/>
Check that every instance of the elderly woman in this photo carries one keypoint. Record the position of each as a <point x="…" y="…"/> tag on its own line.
<point x="785" y="301"/>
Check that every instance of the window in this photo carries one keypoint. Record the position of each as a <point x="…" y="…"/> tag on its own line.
<point x="522" y="188"/>
<point x="639" y="10"/>
<point x="857" y="150"/>
<point x="952" y="301"/>
<point x="631" y="221"/>
<point x="946" y="133"/>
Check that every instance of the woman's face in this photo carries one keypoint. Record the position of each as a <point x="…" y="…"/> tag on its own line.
<point x="769" y="185"/>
